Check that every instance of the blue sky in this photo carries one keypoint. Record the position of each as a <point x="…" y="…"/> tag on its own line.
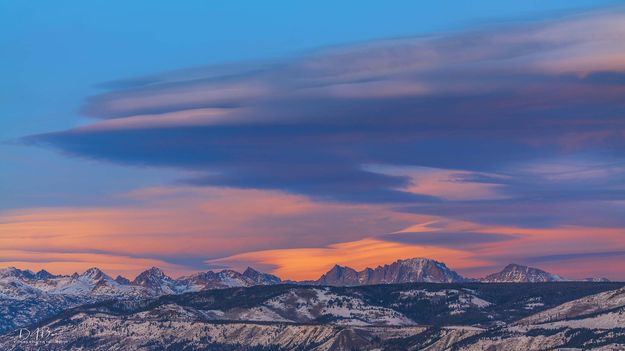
<point x="535" y="166"/>
<point x="55" y="54"/>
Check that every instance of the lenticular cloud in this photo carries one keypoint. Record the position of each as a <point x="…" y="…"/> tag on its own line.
<point x="495" y="100"/>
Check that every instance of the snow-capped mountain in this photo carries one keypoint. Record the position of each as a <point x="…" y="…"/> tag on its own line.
<point x="26" y="297"/>
<point x="258" y="278"/>
<point x="156" y="282"/>
<point x="401" y="271"/>
<point x="20" y="284"/>
<point x="515" y="273"/>
<point x="27" y="274"/>
<point x="226" y="278"/>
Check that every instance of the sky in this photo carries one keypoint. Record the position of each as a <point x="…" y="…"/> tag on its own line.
<point x="292" y="136"/>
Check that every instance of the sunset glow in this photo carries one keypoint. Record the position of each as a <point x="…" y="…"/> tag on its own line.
<point x="476" y="146"/>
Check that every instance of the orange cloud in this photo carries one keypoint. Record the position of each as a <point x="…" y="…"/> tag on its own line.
<point x="474" y="261"/>
<point x="166" y="225"/>
<point x="292" y="235"/>
<point x="310" y="263"/>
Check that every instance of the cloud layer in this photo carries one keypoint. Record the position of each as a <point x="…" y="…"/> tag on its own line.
<point x="179" y="228"/>
<point x="482" y="101"/>
<point x="515" y="126"/>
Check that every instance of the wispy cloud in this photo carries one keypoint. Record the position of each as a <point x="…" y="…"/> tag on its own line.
<point x="179" y="228"/>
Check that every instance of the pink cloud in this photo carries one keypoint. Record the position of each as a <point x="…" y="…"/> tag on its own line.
<point x="179" y="222"/>
<point x="291" y="235"/>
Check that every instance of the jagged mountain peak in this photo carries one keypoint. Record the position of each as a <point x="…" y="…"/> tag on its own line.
<point x="16" y="272"/>
<point x="153" y="271"/>
<point x="150" y="275"/>
<point x="228" y="278"/>
<point x="338" y="274"/>
<point x="43" y="274"/>
<point x="249" y="271"/>
<point x="341" y="269"/>
<point x="418" y="269"/>
<point x="8" y="270"/>
<point x="95" y="273"/>
<point x="260" y="278"/>
<point x="517" y="273"/>
<point x="156" y="282"/>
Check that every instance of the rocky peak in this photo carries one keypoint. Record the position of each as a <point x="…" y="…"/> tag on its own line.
<point x="95" y="274"/>
<point x="417" y="270"/>
<point x="340" y="275"/>
<point x="251" y="272"/>
<point x="16" y="272"/>
<point x="43" y="274"/>
<point x="400" y="271"/>
<point x="260" y="278"/>
<point x="516" y="273"/>
<point x="339" y="271"/>
<point x="157" y="282"/>
<point x="150" y="276"/>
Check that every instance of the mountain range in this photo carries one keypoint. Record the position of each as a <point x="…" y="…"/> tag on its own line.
<point x="27" y="296"/>
<point x="25" y="284"/>
<point x="345" y="306"/>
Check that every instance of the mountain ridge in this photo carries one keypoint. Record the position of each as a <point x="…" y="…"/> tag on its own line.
<point x="156" y="282"/>
<point x="27" y="297"/>
<point x="410" y="270"/>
